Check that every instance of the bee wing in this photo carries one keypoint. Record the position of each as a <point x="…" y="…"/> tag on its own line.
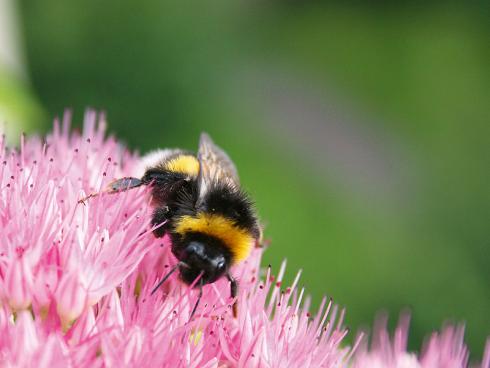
<point x="214" y="166"/>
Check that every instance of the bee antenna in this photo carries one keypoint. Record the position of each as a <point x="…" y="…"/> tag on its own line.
<point x="174" y="268"/>
<point x="201" y="283"/>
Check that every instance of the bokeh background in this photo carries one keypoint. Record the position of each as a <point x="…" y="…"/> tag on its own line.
<point x="362" y="131"/>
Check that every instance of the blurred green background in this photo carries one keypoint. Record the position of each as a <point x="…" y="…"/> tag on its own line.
<point x="361" y="131"/>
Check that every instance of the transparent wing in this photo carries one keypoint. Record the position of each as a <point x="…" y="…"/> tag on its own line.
<point x="214" y="166"/>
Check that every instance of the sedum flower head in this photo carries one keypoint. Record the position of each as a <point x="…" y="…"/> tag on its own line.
<point x="444" y="350"/>
<point x="76" y="279"/>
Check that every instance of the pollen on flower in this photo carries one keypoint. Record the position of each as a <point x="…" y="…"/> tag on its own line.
<point x="76" y="280"/>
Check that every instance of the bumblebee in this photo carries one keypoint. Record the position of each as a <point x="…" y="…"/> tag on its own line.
<point x="199" y="204"/>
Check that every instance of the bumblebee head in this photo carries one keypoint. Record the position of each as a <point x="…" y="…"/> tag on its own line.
<point x="202" y="254"/>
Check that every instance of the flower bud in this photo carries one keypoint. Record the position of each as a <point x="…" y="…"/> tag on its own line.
<point x="17" y="284"/>
<point x="71" y="298"/>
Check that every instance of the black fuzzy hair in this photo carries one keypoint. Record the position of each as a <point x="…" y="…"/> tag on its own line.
<point x="233" y="203"/>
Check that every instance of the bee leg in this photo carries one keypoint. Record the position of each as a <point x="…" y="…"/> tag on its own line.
<point x="166" y="277"/>
<point x="119" y="185"/>
<point x="198" y="299"/>
<point x="233" y="293"/>
<point x="160" y="216"/>
<point x="123" y="184"/>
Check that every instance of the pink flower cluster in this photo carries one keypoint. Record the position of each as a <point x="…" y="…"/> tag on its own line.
<point x="445" y="350"/>
<point x="75" y="281"/>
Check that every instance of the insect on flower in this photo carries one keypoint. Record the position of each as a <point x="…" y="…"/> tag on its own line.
<point x="199" y="204"/>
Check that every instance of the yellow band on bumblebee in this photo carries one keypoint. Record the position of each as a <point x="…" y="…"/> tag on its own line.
<point x="185" y="164"/>
<point x="237" y="240"/>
